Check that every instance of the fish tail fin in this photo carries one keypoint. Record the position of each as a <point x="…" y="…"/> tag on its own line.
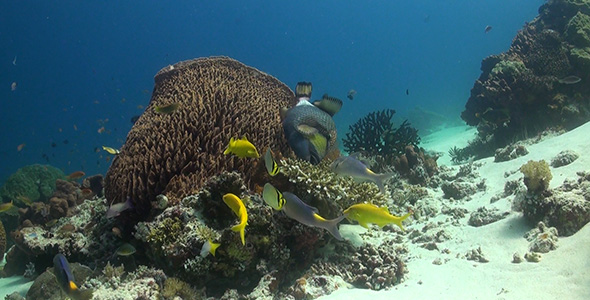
<point x="399" y="221"/>
<point x="303" y="90"/>
<point x="332" y="227"/>
<point x="229" y="146"/>
<point x="380" y="179"/>
<point x="241" y="228"/>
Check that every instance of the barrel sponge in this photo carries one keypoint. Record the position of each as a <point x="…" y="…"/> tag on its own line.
<point x="174" y="154"/>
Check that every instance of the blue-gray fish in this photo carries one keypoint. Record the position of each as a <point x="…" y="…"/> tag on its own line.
<point x="297" y="210"/>
<point x="65" y="278"/>
<point x="570" y="79"/>
<point x="350" y="166"/>
<point x="310" y="131"/>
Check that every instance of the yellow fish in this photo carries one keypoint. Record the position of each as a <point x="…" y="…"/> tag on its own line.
<point x="209" y="247"/>
<point x="111" y="150"/>
<point x="237" y="206"/>
<point x="5" y="206"/>
<point x="167" y="109"/>
<point x="241" y="148"/>
<point x="271" y="164"/>
<point x="366" y="214"/>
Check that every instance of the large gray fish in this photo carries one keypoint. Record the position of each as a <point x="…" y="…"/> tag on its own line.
<point x="350" y="166"/>
<point x="297" y="210"/>
<point x="309" y="128"/>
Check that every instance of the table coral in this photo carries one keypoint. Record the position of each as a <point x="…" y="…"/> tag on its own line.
<point x="174" y="154"/>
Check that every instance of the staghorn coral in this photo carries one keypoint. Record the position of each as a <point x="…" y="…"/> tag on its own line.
<point x="174" y="154"/>
<point x="318" y="186"/>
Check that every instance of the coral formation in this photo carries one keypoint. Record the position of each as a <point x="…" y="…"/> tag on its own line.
<point x="564" y="158"/>
<point x="35" y="182"/>
<point x="484" y="216"/>
<point x="376" y="135"/>
<point x="174" y="154"/>
<point x="567" y="208"/>
<point x="46" y="286"/>
<point x="520" y="92"/>
<point x="537" y="176"/>
<point x="510" y="152"/>
<point x="543" y="239"/>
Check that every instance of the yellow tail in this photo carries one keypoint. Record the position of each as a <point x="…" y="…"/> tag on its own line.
<point x="399" y="220"/>
<point x="241" y="228"/>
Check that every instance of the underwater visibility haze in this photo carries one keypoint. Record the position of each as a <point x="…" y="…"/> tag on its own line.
<point x="294" y="150"/>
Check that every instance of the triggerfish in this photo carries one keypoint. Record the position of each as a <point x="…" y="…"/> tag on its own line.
<point x="310" y="129"/>
<point x="366" y="214"/>
<point x="237" y="206"/>
<point x="350" y="166"/>
<point x="297" y="210"/>
<point x="241" y="148"/>
<point x="65" y="278"/>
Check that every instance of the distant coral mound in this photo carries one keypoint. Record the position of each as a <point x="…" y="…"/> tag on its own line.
<point x="174" y="153"/>
<point x="541" y="82"/>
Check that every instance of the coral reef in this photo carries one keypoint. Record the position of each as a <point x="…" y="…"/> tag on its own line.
<point x="174" y="154"/>
<point x="376" y="135"/>
<point x="567" y="208"/>
<point x="46" y="287"/>
<point x="35" y="182"/>
<point x="520" y="92"/>
<point x="537" y="176"/>
<point x="564" y="158"/>
<point x="416" y="165"/>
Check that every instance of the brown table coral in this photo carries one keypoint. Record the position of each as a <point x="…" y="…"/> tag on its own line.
<point x="174" y="153"/>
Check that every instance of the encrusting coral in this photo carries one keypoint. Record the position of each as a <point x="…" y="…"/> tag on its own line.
<point x="537" y="176"/>
<point x="173" y="154"/>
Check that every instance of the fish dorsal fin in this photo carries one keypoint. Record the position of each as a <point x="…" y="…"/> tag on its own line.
<point x="383" y="208"/>
<point x="244" y="138"/>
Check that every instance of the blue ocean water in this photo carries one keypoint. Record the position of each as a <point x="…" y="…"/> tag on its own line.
<point x="80" y="66"/>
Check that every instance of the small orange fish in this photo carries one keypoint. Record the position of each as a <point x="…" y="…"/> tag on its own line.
<point x="86" y="192"/>
<point x="75" y="127"/>
<point x="140" y="106"/>
<point x="20" y="147"/>
<point x="101" y="129"/>
<point x="13" y="86"/>
<point x="76" y="175"/>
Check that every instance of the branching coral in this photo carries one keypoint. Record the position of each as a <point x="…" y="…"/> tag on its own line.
<point x="376" y="134"/>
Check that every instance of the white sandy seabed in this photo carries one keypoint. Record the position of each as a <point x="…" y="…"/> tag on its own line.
<point x="563" y="273"/>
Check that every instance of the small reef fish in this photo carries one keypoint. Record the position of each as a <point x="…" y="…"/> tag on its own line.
<point x="125" y="250"/>
<point x="6" y="206"/>
<point x="65" y="279"/>
<point x="20" y="147"/>
<point x="76" y="175"/>
<point x="366" y="214"/>
<point x="241" y="148"/>
<point x="24" y="200"/>
<point x="13" y="86"/>
<point x="351" y="94"/>
<point x="270" y="163"/>
<point x="110" y="150"/>
<point x="86" y="192"/>
<point x="209" y="247"/>
<point x="116" y="209"/>
<point x="488" y="29"/>
<point x="117" y="232"/>
<point x="14" y="61"/>
<point x="237" y="206"/>
<point x="572" y="79"/>
<point x="167" y="109"/>
<point x="101" y="130"/>
<point x="299" y="211"/>
<point x="273" y="197"/>
<point x="134" y="119"/>
<point x="407" y="92"/>
<point x="350" y="166"/>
